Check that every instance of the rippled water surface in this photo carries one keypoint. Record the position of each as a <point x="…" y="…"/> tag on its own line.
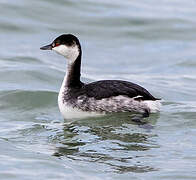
<point x="152" y="43"/>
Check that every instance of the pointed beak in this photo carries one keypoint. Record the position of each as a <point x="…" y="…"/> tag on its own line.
<point x="47" y="47"/>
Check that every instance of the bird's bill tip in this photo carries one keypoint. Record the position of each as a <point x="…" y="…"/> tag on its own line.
<point x="47" y="47"/>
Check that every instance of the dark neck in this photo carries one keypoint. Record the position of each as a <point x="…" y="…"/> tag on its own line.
<point x="73" y="73"/>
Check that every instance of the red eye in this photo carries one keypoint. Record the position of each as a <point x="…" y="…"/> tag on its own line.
<point x="57" y="44"/>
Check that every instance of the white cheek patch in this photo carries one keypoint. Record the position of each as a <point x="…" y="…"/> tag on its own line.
<point x="69" y="52"/>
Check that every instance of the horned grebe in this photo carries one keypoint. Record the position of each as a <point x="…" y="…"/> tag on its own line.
<point x="77" y="99"/>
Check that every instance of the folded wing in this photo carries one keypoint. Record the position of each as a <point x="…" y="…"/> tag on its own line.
<point x="109" y="88"/>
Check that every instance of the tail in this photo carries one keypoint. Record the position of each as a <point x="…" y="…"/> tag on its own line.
<point x="154" y="106"/>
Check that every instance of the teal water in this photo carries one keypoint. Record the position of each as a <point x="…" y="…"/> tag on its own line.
<point x="147" y="42"/>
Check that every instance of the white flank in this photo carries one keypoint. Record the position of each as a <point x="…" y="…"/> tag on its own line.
<point x="69" y="52"/>
<point x="137" y="97"/>
<point x="72" y="113"/>
<point x="154" y="106"/>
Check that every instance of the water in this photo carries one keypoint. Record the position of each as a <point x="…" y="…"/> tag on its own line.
<point x="147" y="42"/>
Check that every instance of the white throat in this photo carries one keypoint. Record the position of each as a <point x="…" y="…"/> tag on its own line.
<point x="69" y="52"/>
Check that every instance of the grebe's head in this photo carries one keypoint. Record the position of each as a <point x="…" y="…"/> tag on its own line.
<point x="67" y="45"/>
